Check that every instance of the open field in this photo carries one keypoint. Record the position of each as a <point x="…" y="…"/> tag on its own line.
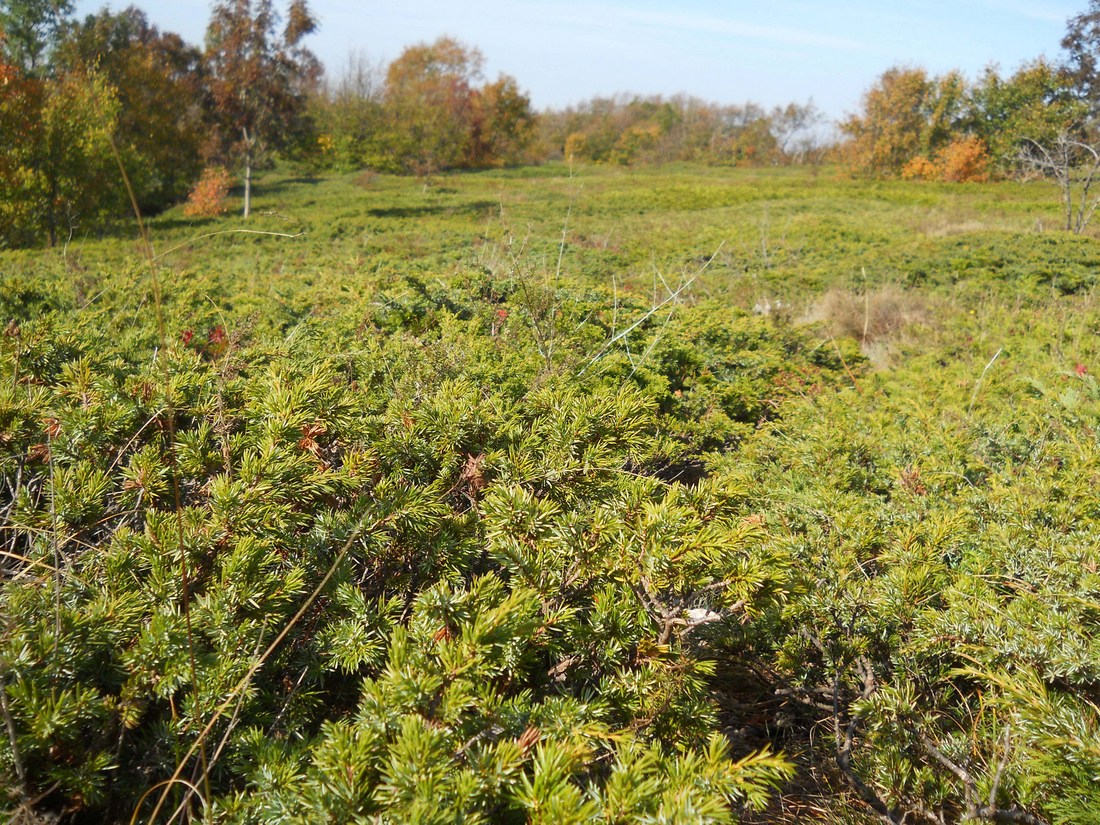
<point x="554" y="495"/>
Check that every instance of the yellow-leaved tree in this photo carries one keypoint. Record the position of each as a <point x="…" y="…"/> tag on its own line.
<point x="906" y="114"/>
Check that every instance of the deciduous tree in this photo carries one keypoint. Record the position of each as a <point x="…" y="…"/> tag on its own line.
<point x="905" y="114"/>
<point x="1074" y="165"/>
<point x="59" y="171"/>
<point x="429" y="102"/>
<point x="30" y="29"/>
<point x="348" y="114"/>
<point x="258" y="77"/>
<point x="20" y="105"/>
<point x="1082" y="43"/>
<point x="1037" y="102"/>
<point x="157" y="79"/>
<point x="632" y="129"/>
<point x="794" y="127"/>
<point x="502" y="123"/>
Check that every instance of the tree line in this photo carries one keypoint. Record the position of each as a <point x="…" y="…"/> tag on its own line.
<point x="111" y="114"/>
<point x="916" y="125"/>
<point x="84" y="104"/>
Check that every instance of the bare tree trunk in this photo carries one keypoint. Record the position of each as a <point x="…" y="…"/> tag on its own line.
<point x="1073" y="165"/>
<point x="247" y="185"/>
<point x="248" y="142"/>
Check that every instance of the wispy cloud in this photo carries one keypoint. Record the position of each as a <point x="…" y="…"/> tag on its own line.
<point x="581" y="17"/>
<point x="1045" y="12"/>
<point x="711" y="24"/>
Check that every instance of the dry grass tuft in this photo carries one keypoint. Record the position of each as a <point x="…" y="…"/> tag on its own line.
<point x="871" y="318"/>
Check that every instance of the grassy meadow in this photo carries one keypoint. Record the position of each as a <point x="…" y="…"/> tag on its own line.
<point x="598" y="494"/>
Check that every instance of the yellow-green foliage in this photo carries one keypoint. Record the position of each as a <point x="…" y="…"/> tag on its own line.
<point x="408" y="515"/>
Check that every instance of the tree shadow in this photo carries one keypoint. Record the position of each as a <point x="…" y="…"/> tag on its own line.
<point x="278" y="185"/>
<point x="430" y="209"/>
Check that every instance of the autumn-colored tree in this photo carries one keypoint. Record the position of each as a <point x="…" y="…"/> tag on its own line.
<point x="751" y="143"/>
<point x="31" y="28"/>
<point x="59" y="171"/>
<point x="209" y="197"/>
<point x="632" y="129"/>
<point x="429" y="105"/>
<point x="157" y="79"/>
<point x="964" y="160"/>
<point x="588" y="131"/>
<point x="502" y="123"/>
<point x="693" y="128"/>
<point x="437" y="116"/>
<point x="20" y="105"/>
<point x="905" y="114"/>
<point x="634" y="142"/>
<point x="258" y="76"/>
<point x="920" y="168"/>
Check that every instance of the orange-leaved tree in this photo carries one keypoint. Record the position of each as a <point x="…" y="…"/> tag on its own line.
<point x="502" y="124"/>
<point x="964" y="160"/>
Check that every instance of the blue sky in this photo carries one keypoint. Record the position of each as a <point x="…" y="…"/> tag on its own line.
<point x="768" y="51"/>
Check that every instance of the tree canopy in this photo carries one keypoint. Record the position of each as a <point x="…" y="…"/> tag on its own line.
<point x="29" y="29"/>
<point x="255" y="92"/>
<point x="258" y="77"/>
<point x="1082" y="44"/>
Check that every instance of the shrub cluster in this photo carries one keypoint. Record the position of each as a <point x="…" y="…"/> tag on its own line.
<point x="426" y="574"/>
<point x="963" y="160"/>
<point x="210" y="196"/>
<point x="418" y="540"/>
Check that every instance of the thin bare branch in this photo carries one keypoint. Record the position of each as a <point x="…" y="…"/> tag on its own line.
<point x="673" y="296"/>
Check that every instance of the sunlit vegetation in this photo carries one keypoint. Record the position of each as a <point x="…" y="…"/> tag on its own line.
<point x="757" y="456"/>
<point x="640" y="462"/>
<point x="84" y="99"/>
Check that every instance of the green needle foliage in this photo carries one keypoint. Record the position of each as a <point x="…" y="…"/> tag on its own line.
<point x="408" y="520"/>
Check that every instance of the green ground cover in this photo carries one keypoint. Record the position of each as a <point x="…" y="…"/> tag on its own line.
<point x="591" y="495"/>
